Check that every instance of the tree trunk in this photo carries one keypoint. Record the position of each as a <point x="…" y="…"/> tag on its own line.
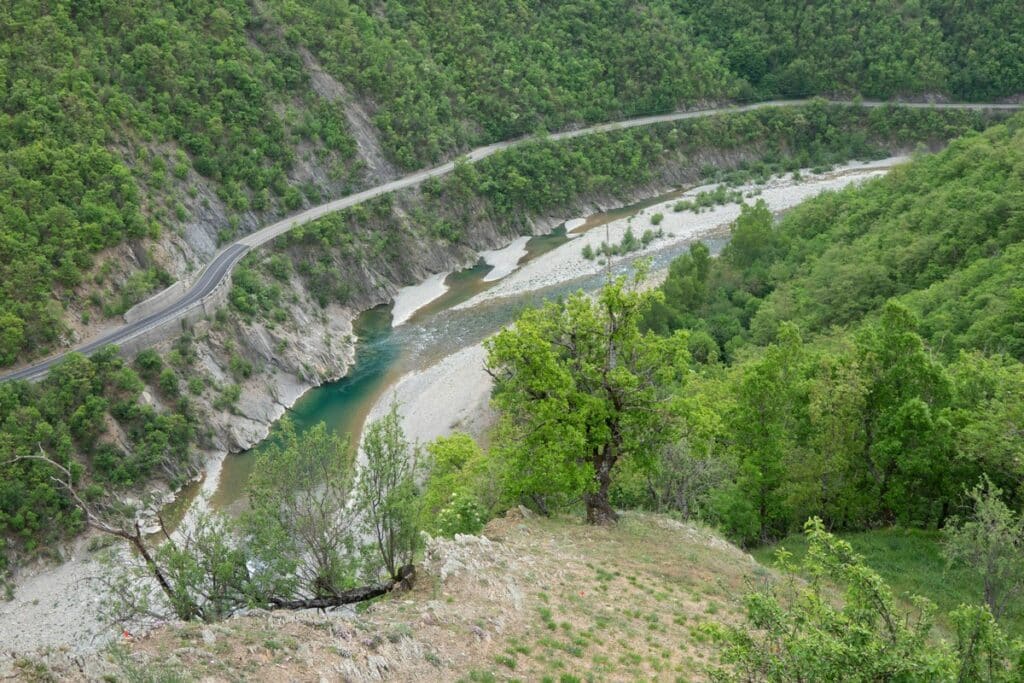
<point x="404" y="579"/>
<point x="599" y="510"/>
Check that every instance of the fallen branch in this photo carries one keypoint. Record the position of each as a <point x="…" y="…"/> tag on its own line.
<point x="405" y="578"/>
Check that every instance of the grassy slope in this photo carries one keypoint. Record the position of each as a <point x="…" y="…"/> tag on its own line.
<point x="910" y="560"/>
<point x="540" y="600"/>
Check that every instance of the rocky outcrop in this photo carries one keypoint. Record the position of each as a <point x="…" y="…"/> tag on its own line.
<point x="315" y="345"/>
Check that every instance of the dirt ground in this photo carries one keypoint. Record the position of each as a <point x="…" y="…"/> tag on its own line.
<point x="531" y="599"/>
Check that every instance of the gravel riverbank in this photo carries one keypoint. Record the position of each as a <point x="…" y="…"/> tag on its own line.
<point x="453" y="394"/>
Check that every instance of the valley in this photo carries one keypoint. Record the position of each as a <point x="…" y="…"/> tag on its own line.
<point x="597" y="340"/>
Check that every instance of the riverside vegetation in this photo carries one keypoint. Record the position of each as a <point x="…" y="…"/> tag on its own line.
<point x="857" y="364"/>
<point x="636" y="399"/>
<point x="111" y="137"/>
<point x="505" y="189"/>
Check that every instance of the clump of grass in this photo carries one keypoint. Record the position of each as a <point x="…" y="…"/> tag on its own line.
<point x="506" y="661"/>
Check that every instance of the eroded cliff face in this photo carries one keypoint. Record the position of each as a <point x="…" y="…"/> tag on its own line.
<point x="315" y="344"/>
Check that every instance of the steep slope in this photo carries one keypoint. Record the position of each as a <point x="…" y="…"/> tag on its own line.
<point x="288" y="323"/>
<point x="531" y="598"/>
<point x="135" y="137"/>
<point x="128" y="155"/>
<point x="862" y="353"/>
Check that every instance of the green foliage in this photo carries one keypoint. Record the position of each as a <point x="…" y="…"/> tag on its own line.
<point x="451" y="75"/>
<point x="387" y="496"/>
<point x="580" y="389"/>
<point x="990" y="541"/>
<point x="240" y="368"/>
<point x="168" y="383"/>
<point x="228" y="397"/>
<point x="542" y="175"/>
<point x="102" y="128"/>
<point x="795" y="631"/>
<point x="68" y="416"/>
<point x="96" y="102"/>
<point x="947" y="247"/>
<point x="464" y="487"/>
<point x="252" y="296"/>
<point x="462" y="515"/>
<point x="295" y="546"/>
<point x="864" y="424"/>
<point x="298" y="525"/>
<point x="454" y="74"/>
<point x="912" y="562"/>
<point x="877" y="50"/>
<point x="149" y="364"/>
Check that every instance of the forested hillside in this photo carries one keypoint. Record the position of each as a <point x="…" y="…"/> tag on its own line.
<point x="121" y="122"/>
<point x="861" y="357"/>
<point x="854" y="366"/>
<point x="455" y="73"/>
<point x="879" y="49"/>
<point x="75" y="415"/>
<point x="106" y="110"/>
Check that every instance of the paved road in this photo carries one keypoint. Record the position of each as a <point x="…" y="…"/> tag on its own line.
<point x="224" y="261"/>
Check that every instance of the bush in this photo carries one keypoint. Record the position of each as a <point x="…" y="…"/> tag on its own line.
<point x="168" y="383"/>
<point x="462" y="515"/>
<point x="196" y="385"/>
<point x="240" y="367"/>
<point x="149" y="364"/>
<point x="657" y="218"/>
<point x="229" y="395"/>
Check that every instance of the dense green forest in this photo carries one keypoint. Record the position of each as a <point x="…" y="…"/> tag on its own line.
<point x="879" y="49"/>
<point x="509" y="189"/>
<point x="112" y="114"/>
<point x="506" y="189"/>
<point x="89" y="416"/>
<point x="861" y="358"/>
<point x="454" y="73"/>
<point x="850" y="367"/>
<point x="105" y="110"/>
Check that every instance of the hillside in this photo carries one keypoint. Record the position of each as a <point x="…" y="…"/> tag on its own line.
<point x="288" y="323"/>
<point x="129" y="156"/>
<point x="511" y="404"/>
<point x="531" y="599"/>
<point x="861" y="353"/>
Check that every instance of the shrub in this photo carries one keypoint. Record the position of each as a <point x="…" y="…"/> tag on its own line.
<point x="168" y="383"/>
<point x="149" y="364"/>
<point x="196" y="386"/>
<point x="229" y="395"/>
<point x="240" y="367"/>
<point x="462" y="515"/>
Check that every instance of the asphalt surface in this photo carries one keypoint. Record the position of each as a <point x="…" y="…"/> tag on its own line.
<point x="218" y="269"/>
<point x="226" y="259"/>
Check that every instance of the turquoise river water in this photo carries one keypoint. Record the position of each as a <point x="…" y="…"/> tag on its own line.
<point x="384" y="354"/>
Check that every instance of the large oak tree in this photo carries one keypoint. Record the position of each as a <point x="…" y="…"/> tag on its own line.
<point x="580" y="389"/>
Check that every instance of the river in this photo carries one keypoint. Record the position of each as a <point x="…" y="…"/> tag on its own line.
<point x="385" y="353"/>
<point x="464" y="314"/>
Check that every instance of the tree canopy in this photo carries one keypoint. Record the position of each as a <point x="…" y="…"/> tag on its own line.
<point x="581" y="389"/>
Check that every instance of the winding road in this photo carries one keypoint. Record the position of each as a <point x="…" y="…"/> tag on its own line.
<point x="224" y="261"/>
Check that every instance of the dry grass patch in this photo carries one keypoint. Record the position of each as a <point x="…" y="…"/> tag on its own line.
<point x="532" y="599"/>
